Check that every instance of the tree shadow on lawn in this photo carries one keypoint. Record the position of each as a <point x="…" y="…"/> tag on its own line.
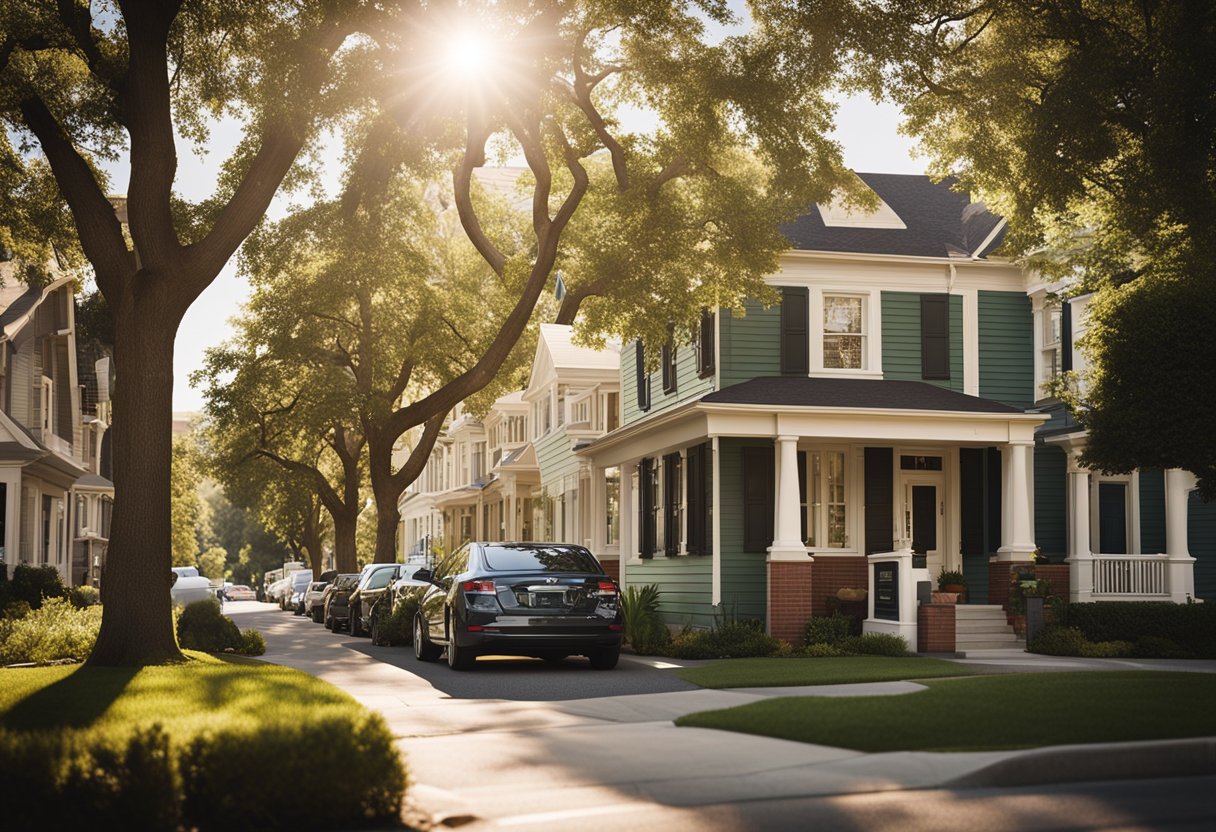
<point x="76" y="701"/>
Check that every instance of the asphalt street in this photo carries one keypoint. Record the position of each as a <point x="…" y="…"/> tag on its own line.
<point x="520" y="743"/>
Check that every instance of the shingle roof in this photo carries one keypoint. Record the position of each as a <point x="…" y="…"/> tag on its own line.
<point x="940" y="222"/>
<point x="853" y="393"/>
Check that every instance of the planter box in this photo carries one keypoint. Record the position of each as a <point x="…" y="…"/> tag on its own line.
<point x="940" y="597"/>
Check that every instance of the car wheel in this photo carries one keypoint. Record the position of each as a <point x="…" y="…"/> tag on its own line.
<point x="316" y="615"/>
<point x="424" y="651"/>
<point x="606" y="658"/>
<point x="329" y="623"/>
<point x="356" y="621"/>
<point x="459" y="658"/>
<point x="299" y="608"/>
<point x="376" y="632"/>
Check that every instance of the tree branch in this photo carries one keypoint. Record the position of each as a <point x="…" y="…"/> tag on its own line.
<point x="462" y="182"/>
<point x="583" y="85"/>
<point x="412" y="467"/>
<point x="673" y="169"/>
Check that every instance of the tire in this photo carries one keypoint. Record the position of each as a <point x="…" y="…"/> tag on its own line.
<point x="329" y="623"/>
<point x="299" y="610"/>
<point x="317" y="615"/>
<point x="376" y="633"/>
<point x="605" y="658"/>
<point x="355" y="622"/>
<point x="460" y="658"/>
<point x="424" y="651"/>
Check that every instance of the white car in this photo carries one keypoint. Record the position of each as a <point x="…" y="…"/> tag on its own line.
<point x="240" y="592"/>
<point x="188" y="586"/>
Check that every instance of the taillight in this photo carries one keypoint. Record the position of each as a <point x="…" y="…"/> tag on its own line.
<point x="480" y="587"/>
<point x="606" y="588"/>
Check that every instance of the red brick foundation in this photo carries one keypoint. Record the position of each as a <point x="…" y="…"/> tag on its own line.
<point x="999" y="581"/>
<point x="789" y="599"/>
<point x="935" y="628"/>
<point x="612" y="568"/>
<point x="834" y="573"/>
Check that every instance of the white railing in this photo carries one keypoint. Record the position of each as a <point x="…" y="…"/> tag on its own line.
<point x="1130" y="575"/>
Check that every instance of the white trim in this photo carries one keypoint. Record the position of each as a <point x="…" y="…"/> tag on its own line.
<point x="716" y="556"/>
<point x="971" y="341"/>
<point x="1000" y="226"/>
<point x="1131" y="508"/>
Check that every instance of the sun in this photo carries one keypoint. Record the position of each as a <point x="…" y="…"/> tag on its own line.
<point x="467" y="54"/>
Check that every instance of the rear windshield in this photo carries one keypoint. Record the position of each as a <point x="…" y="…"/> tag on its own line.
<point x="347" y="581"/>
<point x="541" y="559"/>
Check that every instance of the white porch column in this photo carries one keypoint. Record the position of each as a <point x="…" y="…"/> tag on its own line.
<point x="716" y="566"/>
<point x="1180" y="566"/>
<point x="1017" y="536"/>
<point x="629" y="551"/>
<point x="788" y="544"/>
<point x="1080" y="557"/>
<point x="683" y="550"/>
<point x="510" y="528"/>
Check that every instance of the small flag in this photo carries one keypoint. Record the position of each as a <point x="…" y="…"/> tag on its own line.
<point x="559" y="287"/>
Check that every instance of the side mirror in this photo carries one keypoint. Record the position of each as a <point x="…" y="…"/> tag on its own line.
<point x="424" y="574"/>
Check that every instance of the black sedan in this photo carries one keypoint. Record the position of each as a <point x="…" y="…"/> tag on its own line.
<point x="374" y="582"/>
<point x="549" y="600"/>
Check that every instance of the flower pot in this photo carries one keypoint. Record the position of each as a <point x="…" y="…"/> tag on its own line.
<point x="956" y="588"/>
<point x="1019" y="625"/>
<point x="942" y="597"/>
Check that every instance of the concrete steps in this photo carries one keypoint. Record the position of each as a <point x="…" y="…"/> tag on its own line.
<point x="983" y="627"/>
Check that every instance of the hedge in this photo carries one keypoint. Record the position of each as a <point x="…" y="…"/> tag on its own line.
<point x="1192" y="627"/>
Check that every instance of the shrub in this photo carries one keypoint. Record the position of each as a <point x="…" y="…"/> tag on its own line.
<point x="820" y="650"/>
<point x="831" y="629"/>
<point x="1155" y="647"/>
<point x="252" y="643"/>
<point x="228" y="777"/>
<point x="733" y="640"/>
<point x="202" y="626"/>
<point x="1059" y="641"/>
<point x="32" y="584"/>
<point x="84" y="596"/>
<point x="644" y="629"/>
<point x="1108" y="650"/>
<point x="1190" y="626"/>
<point x="397" y="628"/>
<point x="951" y="576"/>
<point x="16" y="609"/>
<point x="54" y="631"/>
<point x="874" y="644"/>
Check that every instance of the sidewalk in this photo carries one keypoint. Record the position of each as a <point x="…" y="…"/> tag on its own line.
<point x="497" y="760"/>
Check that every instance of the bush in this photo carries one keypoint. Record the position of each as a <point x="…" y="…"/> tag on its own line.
<point x="32" y="584"/>
<point x="84" y="596"/>
<point x="874" y="644"/>
<point x="1155" y="647"/>
<point x="733" y="640"/>
<point x="1059" y="641"/>
<point x="202" y="626"/>
<point x="228" y="778"/>
<point x="645" y="631"/>
<point x="54" y="631"/>
<point x="397" y="628"/>
<point x="828" y="629"/>
<point x="252" y="643"/>
<point x="1108" y="650"/>
<point x="1192" y="627"/>
<point x="820" y="650"/>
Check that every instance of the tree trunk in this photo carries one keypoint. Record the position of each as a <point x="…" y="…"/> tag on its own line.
<point x="385" y="492"/>
<point x="387" y="518"/>
<point x="137" y="624"/>
<point x="345" y="551"/>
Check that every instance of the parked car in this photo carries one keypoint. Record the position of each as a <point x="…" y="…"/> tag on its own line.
<point x="400" y="591"/>
<point x="240" y="592"/>
<point x="314" y="597"/>
<point x="373" y="583"/>
<point x="274" y="592"/>
<point x="549" y="600"/>
<point x="294" y="597"/>
<point x="335" y="601"/>
<point x="188" y="586"/>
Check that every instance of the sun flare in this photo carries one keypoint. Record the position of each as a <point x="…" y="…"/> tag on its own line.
<point x="467" y="54"/>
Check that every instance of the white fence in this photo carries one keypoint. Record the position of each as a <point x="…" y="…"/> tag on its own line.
<point x="1130" y="575"/>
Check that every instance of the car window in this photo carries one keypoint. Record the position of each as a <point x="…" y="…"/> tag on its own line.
<point x="540" y="559"/>
<point x="454" y="563"/>
<point x="380" y="579"/>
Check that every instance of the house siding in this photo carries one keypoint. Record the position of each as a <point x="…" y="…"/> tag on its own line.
<point x="901" y="339"/>
<point x="688" y="385"/>
<point x="750" y="345"/>
<point x="554" y="457"/>
<point x="685" y="585"/>
<point x="1006" y="335"/>
<point x="1201" y="539"/>
<point x="744" y="574"/>
<point x="1050" y="501"/>
<point x="1152" y="511"/>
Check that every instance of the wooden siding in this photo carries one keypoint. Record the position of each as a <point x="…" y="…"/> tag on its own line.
<point x="688" y="386"/>
<point x="1201" y="539"/>
<point x="555" y="458"/>
<point x="1006" y="348"/>
<point x="744" y="574"/>
<point x="901" y="339"/>
<point x="1152" y="511"/>
<point x="750" y="345"/>
<point x="1050" y="501"/>
<point x="685" y="584"/>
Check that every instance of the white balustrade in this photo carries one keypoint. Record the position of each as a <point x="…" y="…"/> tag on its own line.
<point x="1140" y="575"/>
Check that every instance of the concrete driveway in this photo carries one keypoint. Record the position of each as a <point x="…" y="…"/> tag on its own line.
<point x="520" y="742"/>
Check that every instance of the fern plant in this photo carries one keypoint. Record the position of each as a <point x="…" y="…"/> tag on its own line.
<point x="644" y="629"/>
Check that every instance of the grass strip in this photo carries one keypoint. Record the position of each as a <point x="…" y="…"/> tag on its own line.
<point x="988" y="713"/>
<point x="846" y="670"/>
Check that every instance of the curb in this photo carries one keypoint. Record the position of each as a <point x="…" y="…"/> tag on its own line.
<point x="1108" y="761"/>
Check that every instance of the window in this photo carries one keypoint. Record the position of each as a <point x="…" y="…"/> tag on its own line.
<point x="48" y="405"/>
<point x="827" y="510"/>
<point x="705" y="345"/>
<point x="1052" y="364"/>
<point x="643" y="380"/>
<point x="561" y="407"/>
<point x="843" y="332"/>
<point x="667" y="358"/>
<point x="612" y="491"/>
<point x="795" y="360"/>
<point x="82" y="514"/>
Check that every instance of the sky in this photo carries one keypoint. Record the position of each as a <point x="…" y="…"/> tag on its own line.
<point x="867" y="132"/>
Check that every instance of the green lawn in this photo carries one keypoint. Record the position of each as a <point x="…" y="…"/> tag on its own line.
<point x="989" y="713"/>
<point x="186" y="699"/>
<point x="757" y="673"/>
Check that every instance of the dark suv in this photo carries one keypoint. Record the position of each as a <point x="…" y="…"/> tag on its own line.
<point x="335" y="601"/>
<point x="549" y="600"/>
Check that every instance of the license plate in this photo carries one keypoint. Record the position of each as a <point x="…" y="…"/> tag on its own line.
<point x="556" y="598"/>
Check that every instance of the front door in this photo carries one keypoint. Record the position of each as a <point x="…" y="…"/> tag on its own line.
<point x="1112" y="518"/>
<point x="923" y="515"/>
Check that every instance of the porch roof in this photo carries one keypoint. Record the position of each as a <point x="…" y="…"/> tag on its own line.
<point x="886" y="394"/>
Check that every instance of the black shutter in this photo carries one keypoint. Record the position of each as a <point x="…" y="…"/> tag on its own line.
<point x="705" y="345"/>
<point x="643" y="380"/>
<point x="795" y="334"/>
<point x="802" y="498"/>
<point x="935" y="336"/>
<point x="880" y="499"/>
<point x="971" y="500"/>
<point x="671" y="504"/>
<point x="1065" y="336"/>
<point x="757" y="499"/>
<point x="667" y="357"/>
<point x="646" y="474"/>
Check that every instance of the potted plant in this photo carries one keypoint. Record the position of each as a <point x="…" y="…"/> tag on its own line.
<point x="951" y="580"/>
